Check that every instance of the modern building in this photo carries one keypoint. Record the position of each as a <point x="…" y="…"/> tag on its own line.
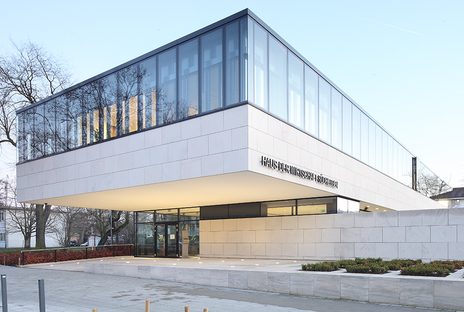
<point x="228" y="123"/>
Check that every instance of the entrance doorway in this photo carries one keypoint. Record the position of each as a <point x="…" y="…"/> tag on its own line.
<point x="167" y="239"/>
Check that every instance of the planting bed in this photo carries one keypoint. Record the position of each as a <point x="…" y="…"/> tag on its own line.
<point x="378" y="266"/>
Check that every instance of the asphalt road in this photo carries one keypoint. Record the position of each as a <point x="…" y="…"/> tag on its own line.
<point x="67" y="291"/>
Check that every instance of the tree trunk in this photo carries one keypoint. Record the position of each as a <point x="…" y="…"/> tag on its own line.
<point x="42" y="212"/>
<point x="27" y="242"/>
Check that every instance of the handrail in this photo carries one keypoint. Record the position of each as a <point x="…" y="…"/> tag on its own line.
<point x="77" y="249"/>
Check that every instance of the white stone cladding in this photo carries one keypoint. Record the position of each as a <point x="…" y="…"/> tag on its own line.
<point x="436" y="234"/>
<point x="152" y="169"/>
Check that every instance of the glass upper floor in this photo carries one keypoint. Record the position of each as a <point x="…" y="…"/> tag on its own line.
<point x="235" y="61"/>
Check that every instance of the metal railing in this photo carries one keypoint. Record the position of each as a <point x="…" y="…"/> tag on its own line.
<point x="34" y="256"/>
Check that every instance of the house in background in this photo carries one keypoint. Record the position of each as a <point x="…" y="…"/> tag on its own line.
<point x="451" y="199"/>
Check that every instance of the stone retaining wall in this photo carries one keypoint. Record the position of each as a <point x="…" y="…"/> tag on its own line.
<point x="441" y="293"/>
<point x="436" y="234"/>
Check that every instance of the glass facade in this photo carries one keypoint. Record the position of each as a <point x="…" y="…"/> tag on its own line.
<point x="159" y="232"/>
<point x="230" y="63"/>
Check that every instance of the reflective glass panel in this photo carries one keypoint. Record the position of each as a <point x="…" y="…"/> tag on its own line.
<point x="21" y="138"/>
<point x="61" y="124"/>
<point x="187" y="214"/>
<point x="145" y="216"/>
<point x="347" y="206"/>
<point x="148" y="87"/>
<point x="90" y="105"/>
<point x="336" y="101"/>
<point x="307" y="206"/>
<point x="347" y="125"/>
<point x="378" y="148"/>
<point x="74" y="120"/>
<point x="188" y="79"/>
<point x="356" y="132"/>
<point x="193" y="229"/>
<point x="160" y="240"/>
<point x="324" y="110"/>
<point x="244" y="59"/>
<point x="317" y="205"/>
<point x="211" y="60"/>
<point x="311" y="101"/>
<point x="145" y="240"/>
<point x="171" y="240"/>
<point x="245" y="210"/>
<point x="384" y="152"/>
<point x="277" y="78"/>
<point x="232" y="64"/>
<point x="49" y="127"/>
<point x="364" y="138"/>
<point x="260" y="66"/>
<point x="372" y="144"/>
<point x="28" y="129"/>
<point x="166" y="215"/>
<point x="167" y="94"/>
<point x="295" y="91"/>
<point x="279" y="208"/>
<point x="38" y="131"/>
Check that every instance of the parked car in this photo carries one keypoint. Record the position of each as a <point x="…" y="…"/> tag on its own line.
<point x="85" y="244"/>
<point x="72" y="244"/>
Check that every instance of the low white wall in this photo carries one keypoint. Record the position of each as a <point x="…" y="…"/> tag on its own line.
<point x="441" y="293"/>
<point x="435" y="234"/>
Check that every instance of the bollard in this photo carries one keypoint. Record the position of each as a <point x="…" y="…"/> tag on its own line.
<point x="187" y="309"/>
<point x="41" y="295"/>
<point x="4" y="301"/>
<point x="94" y="310"/>
<point x="205" y="310"/>
<point x="147" y="305"/>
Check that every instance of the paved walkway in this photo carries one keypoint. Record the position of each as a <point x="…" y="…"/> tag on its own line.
<point x="68" y="288"/>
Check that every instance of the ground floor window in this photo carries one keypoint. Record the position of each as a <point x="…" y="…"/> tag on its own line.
<point x="159" y="232"/>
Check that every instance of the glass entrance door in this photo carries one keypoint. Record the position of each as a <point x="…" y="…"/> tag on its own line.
<point x="167" y="240"/>
<point x="160" y="241"/>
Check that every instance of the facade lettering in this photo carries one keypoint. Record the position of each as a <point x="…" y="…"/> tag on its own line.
<point x="304" y="174"/>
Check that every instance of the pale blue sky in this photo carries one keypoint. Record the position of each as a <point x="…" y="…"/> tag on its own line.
<point x="402" y="61"/>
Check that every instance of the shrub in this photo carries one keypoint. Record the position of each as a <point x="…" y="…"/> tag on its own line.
<point x="345" y="263"/>
<point x="458" y="264"/>
<point x="10" y="259"/>
<point x="436" y="268"/>
<point x="321" y="266"/>
<point x="395" y="266"/>
<point x="357" y="268"/>
<point x="373" y="268"/>
<point x="378" y="268"/>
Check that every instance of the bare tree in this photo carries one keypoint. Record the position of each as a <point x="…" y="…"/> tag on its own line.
<point x="68" y="223"/>
<point x="20" y="217"/>
<point x="28" y="75"/>
<point x="431" y="185"/>
<point x="100" y="221"/>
